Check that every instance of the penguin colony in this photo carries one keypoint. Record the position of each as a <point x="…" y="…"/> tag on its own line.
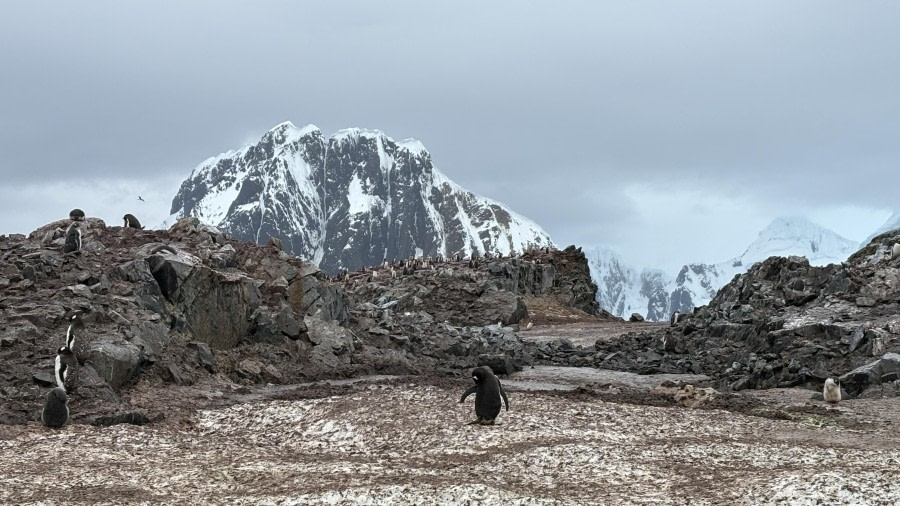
<point x="392" y="269"/>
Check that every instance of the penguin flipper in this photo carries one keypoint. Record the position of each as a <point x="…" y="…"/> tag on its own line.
<point x="468" y="393"/>
<point x="503" y="394"/>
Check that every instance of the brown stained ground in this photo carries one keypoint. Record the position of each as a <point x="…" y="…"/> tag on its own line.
<point x="586" y="330"/>
<point x="404" y="440"/>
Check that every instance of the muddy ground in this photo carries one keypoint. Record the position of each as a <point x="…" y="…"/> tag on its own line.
<point x="572" y="436"/>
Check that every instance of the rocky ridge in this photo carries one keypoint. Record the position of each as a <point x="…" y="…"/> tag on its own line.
<point x="191" y="305"/>
<point x="784" y="323"/>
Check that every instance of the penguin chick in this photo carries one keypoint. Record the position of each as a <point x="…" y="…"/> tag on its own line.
<point x="488" y="395"/>
<point x="73" y="238"/>
<point x="66" y="370"/>
<point x="132" y="222"/>
<point x="56" y="409"/>
<point x="832" y="391"/>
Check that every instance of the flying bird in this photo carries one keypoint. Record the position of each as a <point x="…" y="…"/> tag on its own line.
<point x="141" y="199"/>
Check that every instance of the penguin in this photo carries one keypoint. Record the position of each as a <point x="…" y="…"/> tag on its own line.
<point x="488" y="394"/>
<point x="528" y="327"/>
<point x="832" y="391"/>
<point x="66" y="370"/>
<point x="76" y="215"/>
<point x="132" y="222"/>
<point x="73" y="238"/>
<point x="56" y="410"/>
<point x="895" y="250"/>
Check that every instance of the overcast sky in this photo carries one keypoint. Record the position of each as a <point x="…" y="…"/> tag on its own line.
<point x="670" y="131"/>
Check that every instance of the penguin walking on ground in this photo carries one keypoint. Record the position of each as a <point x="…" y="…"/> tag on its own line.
<point x="132" y="222"/>
<point x="73" y="238"/>
<point x="832" y="391"/>
<point x="66" y="370"/>
<point x="488" y="396"/>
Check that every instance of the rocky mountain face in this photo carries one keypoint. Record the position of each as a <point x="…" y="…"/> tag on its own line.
<point x="347" y="201"/>
<point x="656" y="296"/>
<point x="785" y="323"/>
<point x="192" y="306"/>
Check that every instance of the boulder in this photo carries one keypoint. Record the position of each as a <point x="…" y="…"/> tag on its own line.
<point x="115" y="361"/>
<point x="885" y="369"/>
<point x="217" y="306"/>
<point x="331" y="344"/>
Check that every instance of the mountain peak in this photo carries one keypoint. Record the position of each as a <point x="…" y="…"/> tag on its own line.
<point x="350" y="200"/>
<point x="356" y="133"/>
<point x="414" y="146"/>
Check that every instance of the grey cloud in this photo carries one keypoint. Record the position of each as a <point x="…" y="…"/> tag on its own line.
<point x="787" y="105"/>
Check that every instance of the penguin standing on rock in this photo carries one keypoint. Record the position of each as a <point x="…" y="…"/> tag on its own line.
<point x="66" y="370"/>
<point x="132" y="222"/>
<point x="73" y="239"/>
<point x="895" y="251"/>
<point x="488" y="396"/>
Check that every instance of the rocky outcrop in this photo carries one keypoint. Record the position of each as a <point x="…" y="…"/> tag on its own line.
<point x="784" y="323"/>
<point x="180" y="305"/>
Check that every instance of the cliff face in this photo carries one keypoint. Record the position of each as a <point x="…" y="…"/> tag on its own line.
<point x="189" y="304"/>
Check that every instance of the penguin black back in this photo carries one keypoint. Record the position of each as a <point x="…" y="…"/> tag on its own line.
<point x="56" y="409"/>
<point x="73" y="238"/>
<point x="489" y="395"/>
<point x="131" y="221"/>
<point x="76" y="215"/>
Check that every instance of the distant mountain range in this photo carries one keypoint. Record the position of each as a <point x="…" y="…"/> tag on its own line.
<point x="349" y="200"/>
<point x="623" y="290"/>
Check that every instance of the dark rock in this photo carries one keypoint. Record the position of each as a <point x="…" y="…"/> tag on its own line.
<point x="331" y="344"/>
<point x="131" y="417"/>
<point x="884" y="370"/>
<point x="115" y="361"/>
<point x="204" y="355"/>
<point x="146" y="289"/>
<point x="44" y="379"/>
<point x="500" y="363"/>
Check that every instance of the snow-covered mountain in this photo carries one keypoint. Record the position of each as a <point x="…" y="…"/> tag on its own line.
<point x="656" y="296"/>
<point x="892" y="223"/>
<point x="347" y="201"/>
